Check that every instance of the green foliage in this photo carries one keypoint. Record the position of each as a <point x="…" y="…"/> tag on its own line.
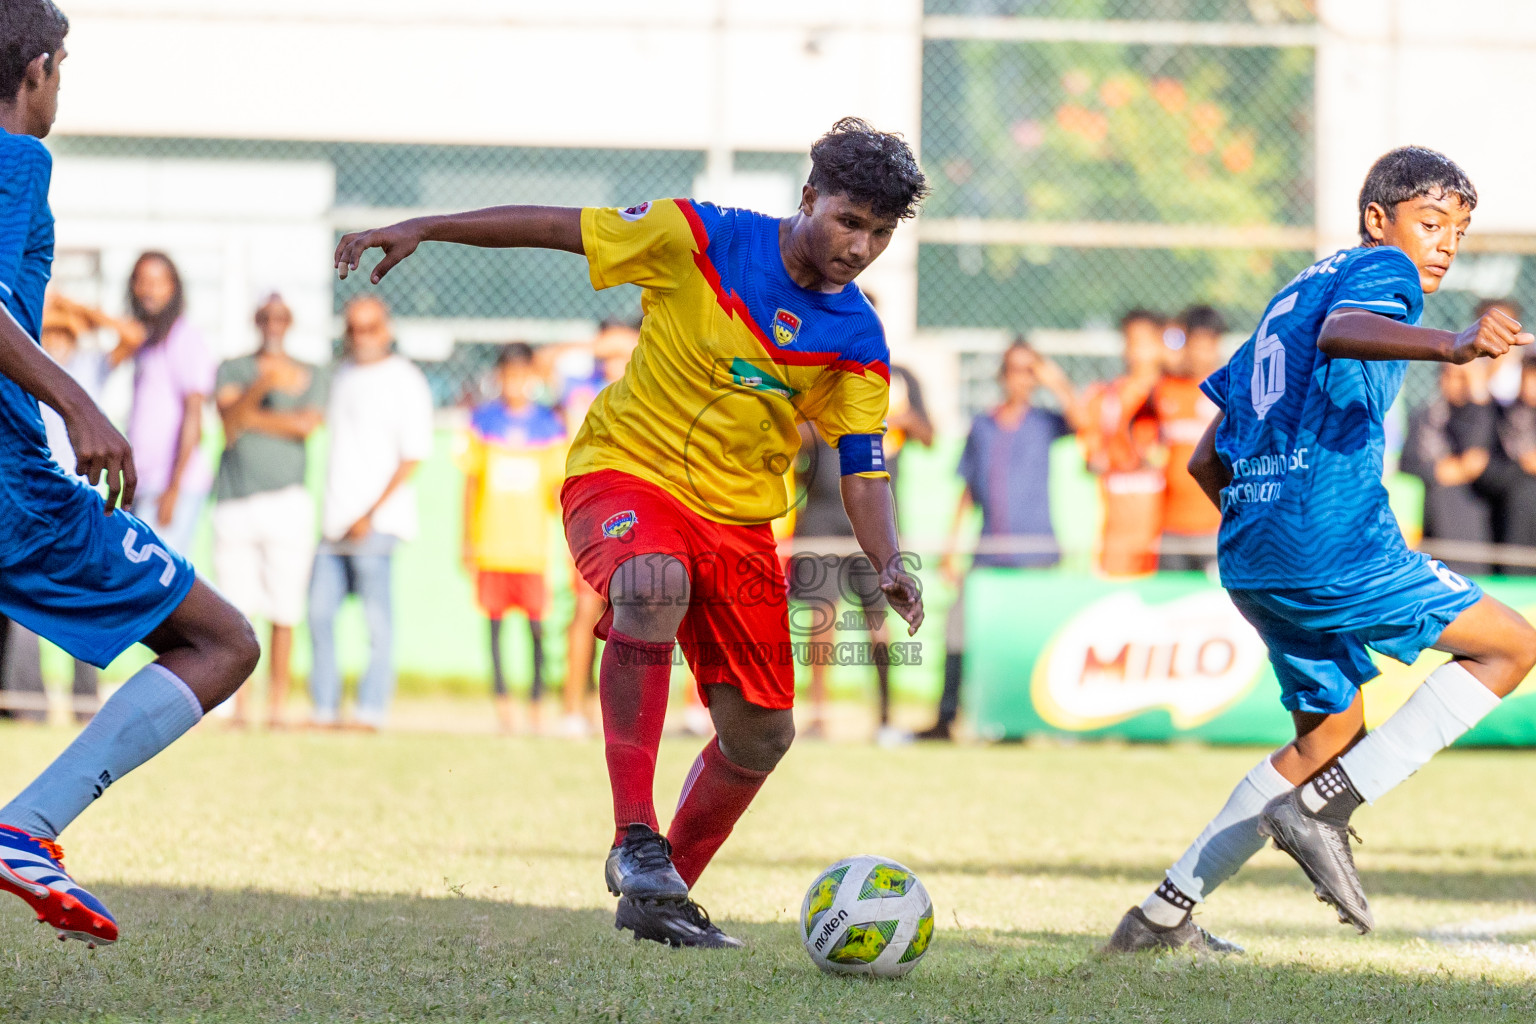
<point x="1069" y="132"/>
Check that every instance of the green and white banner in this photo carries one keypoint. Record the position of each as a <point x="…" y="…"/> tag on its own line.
<point x="1162" y="658"/>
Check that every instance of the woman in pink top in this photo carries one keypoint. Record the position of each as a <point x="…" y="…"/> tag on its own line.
<point x="173" y="376"/>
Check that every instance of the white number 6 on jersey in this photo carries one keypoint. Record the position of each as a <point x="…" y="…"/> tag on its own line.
<point x="1269" y="361"/>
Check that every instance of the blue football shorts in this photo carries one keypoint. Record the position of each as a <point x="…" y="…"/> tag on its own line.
<point x="91" y="583"/>
<point x="1318" y="637"/>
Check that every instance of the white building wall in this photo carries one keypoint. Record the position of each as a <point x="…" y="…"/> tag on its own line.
<point x="711" y="75"/>
<point x="1459" y="78"/>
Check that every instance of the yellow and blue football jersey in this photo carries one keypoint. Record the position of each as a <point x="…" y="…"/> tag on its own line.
<point x="733" y="354"/>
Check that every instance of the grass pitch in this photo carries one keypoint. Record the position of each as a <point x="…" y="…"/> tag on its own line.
<point x="403" y="877"/>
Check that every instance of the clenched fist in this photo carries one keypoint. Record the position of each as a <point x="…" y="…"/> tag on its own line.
<point x="1495" y="333"/>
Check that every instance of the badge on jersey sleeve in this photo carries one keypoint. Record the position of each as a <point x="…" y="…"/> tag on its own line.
<point x="616" y="527"/>
<point x="786" y="327"/>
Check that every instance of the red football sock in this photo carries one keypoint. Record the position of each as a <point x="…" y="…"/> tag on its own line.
<point x="632" y="688"/>
<point x="714" y="798"/>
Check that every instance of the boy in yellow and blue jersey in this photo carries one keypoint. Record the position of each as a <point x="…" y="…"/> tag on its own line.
<point x="513" y="459"/>
<point x="1311" y="555"/>
<point x="752" y="326"/>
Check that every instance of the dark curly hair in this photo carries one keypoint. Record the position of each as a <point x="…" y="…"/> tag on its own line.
<point x="1137" y="314"/>
<point x="874" y="169"/>
<point x="1409" y="172"/>
<point x="515" y="353"/>
<point x="1203" y="318"/>
<point x="28" y="28"/>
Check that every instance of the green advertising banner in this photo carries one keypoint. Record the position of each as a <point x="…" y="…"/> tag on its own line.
<point x="1162" y="658"/>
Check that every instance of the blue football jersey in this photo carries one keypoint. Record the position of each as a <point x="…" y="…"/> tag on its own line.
<point x="26" y="228"/>
<point x="1302" y="433"/>
<point x="31" y="484"/>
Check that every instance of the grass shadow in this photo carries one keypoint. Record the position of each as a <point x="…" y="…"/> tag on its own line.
<point x="214" y="955"/>
<point x="1424" y="884"/>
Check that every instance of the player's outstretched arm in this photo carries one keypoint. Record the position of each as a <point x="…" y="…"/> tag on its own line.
<point x="1358" y="334"/>
<point x="100" y="451"/>
<point x="497" y="227"/>
<point x="867" y="500"/>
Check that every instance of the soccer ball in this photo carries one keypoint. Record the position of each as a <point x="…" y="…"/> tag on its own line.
<point x="867" y="915"/>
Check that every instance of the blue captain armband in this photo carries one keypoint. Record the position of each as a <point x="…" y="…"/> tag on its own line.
<point x="861" y="453"/>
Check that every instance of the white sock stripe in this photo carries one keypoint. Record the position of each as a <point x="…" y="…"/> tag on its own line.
<point x="693" y="776"/>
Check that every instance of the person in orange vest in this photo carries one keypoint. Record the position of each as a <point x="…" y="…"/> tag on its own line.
<point x="1120" y="443"/>
<point x="1183" y="412"/>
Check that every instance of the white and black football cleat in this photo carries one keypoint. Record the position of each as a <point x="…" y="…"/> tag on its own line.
<point x="1135" y="933"/>
<point x="641" y="867"/>
<point x="1321" y="847"/>
<point x="674" y="922"/>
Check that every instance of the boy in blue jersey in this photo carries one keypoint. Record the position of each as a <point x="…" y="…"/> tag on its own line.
<point x="1311" y="554"/>
<point x="74" y="567"/>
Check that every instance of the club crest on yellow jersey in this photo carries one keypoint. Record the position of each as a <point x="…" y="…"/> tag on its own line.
<point x="786" y="327"/>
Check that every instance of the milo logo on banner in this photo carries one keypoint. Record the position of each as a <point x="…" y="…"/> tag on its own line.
<point x="1119" y="657"/>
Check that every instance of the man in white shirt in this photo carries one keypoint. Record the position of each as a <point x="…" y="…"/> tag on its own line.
<point x="380" y="421"/>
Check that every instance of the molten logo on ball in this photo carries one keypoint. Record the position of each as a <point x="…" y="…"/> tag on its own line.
<point x="867" y="915"/>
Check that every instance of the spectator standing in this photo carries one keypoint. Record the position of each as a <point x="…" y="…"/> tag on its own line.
<point x="172" y="378"/>
<point x="379" y="416"/>
<point x="1006" y="467"/>
<point x="1516" y="468"/>
<point x="1119" y="438"/>
<point x="823" y="580"/>
<point x="906" y="420"/>
<point x="263" y="516"/>
<point x="611" y="350"/>
<point x="1450" y="444"/>
<point x="21" y="671"/>
<point x="1505" y="371"/>
<point x="513" y="460"/>
<point x="1182" y="413"/>
<point x="1507" y="483"/>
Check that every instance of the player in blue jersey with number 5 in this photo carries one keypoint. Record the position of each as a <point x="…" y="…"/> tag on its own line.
<point x="73" y="567"/>
<point x="1311" y="555"/>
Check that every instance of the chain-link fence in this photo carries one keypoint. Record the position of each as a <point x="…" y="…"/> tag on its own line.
<point x="1087" y="156"/>
<point x="1090" y="156"/>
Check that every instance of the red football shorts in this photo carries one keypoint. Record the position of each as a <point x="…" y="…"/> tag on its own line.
<point x="736" y="628"/>
<point x="499" y="592"/>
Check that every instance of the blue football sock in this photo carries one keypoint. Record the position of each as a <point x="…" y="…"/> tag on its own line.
<point x="142" y="718"/>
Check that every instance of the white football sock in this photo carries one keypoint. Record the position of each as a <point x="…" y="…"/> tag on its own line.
<point x="1226" y="844"/>
<point x="1449" y="702"/>
<point x="1167" y="906"/>
<point x="142" y="718"/>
